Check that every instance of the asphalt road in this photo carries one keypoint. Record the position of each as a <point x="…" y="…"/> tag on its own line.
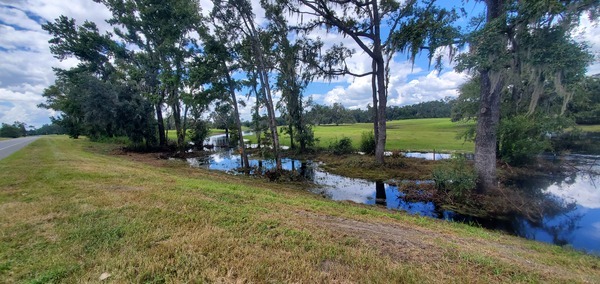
<point x="10" y="146"/>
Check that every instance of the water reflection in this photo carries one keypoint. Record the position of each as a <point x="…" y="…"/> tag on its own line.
<point x="577" y="222"/>
<point x="571" y="202"/>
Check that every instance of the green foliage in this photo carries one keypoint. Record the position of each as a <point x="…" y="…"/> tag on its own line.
<point x="322" y="114"/>
<point x="585" y="106"/>
<point x="17" y="129"/>
<point x="342" y="146"/>
<point x="522" y="137"/>
<point x="96" y="98"/>
<point x="199" y="132"/>
<point x="455" y="177"/>
<point x="306" y="137"/>
<point x="336" y="114"/>
<point x="467" y="103"/>
<point x="528" y="62"/>
<point x="368" y="143"/>
<point x="99" y="108"/>
<point x="47" y="129"/>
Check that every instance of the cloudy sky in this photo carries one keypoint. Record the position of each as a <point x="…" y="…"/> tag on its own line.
<point x="26" y="63"/>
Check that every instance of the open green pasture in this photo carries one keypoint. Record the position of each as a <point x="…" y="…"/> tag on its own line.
<point x="430" y="134"/>
<point x="589" y="128"/>
<point x="439" y="134"/>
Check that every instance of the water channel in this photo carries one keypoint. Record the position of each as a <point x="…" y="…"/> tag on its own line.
<point x="574" y="222"/>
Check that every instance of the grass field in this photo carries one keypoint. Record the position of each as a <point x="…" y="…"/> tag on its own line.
<point x="408" y="135"/>
<point x="412" y="134"/>
<point x="589" y="128"/>
<point x="172" y="134"/>
<point x="71" y="210"/>
<point x="428" y="134"/>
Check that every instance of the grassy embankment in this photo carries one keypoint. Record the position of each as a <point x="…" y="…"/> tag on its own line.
<point x="70" y="211"/>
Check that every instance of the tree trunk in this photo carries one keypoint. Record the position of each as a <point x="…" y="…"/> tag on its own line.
<point x="184" y="125"/>
<point x="257" y="127"/>
<point x="381" y="121"/>
<point x="302" y="134"/>
<point x="177" y="120"/>
<point x="375" y="104"/>
<point x="487" y="132"/>
<point x="243" y="155"/>
<point x="486" y="138"/>
<point x="264" y="80"/>
<point x="162" y="138"/>
<point x="272" y="120"/>
<point x="291" y="136"/>
<point x="381" y="92"/>
<point x="178" y="129"/>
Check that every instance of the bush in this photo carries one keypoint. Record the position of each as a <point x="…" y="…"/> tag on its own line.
<point x="455" y="177"/>
<point x="198" y="133"/>
<point x="368" y="143"/>
<point x="521" y="138"/>
<point x="342" y="146"/>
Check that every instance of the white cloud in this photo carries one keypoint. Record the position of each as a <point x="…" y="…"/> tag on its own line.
<point x="20" y="103"/>
<point x="26" y="65"/>
<point x="588" y="32"/>
<point x="583" y="190"/>
<point x="16" y="17"/>
<point x="429" y="86"/>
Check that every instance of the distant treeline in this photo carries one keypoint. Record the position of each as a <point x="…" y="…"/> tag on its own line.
<point x="20" y="129"/>
<point x="338" y="114"/>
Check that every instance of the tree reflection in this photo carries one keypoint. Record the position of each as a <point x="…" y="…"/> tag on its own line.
<point x="545" y="211"/>
<point x="380" y="197"/>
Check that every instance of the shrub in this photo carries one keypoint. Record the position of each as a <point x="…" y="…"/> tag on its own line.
<point x="342" y="146"/>
<point x="521" y="138"/>
<point x="368" y="143"/>
<point x="455" y="177"/>
<point x="198" y="133"/>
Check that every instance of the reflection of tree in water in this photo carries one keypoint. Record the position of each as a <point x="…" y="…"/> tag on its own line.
<point x="306" y="170"/>
<point x="380" y="197"/>
<point x="547" y="212"/>
<point x="529" y="208"/>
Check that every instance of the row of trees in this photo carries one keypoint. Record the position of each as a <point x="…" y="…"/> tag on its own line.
<point x="20" y="129"/>
<point x="17" y="129"/>
<point x="338" y="114"/>
<point x="169" y="57"/>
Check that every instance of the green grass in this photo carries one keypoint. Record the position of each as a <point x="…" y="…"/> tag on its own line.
<point x="589" y="128"/>
<point x="172" y="134"/>
<point x="70" y="211"/>
<point x="429" y="134"/>
<point x="411" y="134"/>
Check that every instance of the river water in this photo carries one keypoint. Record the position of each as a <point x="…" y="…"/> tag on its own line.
<point x="573" y="221"/>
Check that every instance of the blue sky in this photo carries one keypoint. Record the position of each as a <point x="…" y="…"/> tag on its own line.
<point x="26" y="65"/>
